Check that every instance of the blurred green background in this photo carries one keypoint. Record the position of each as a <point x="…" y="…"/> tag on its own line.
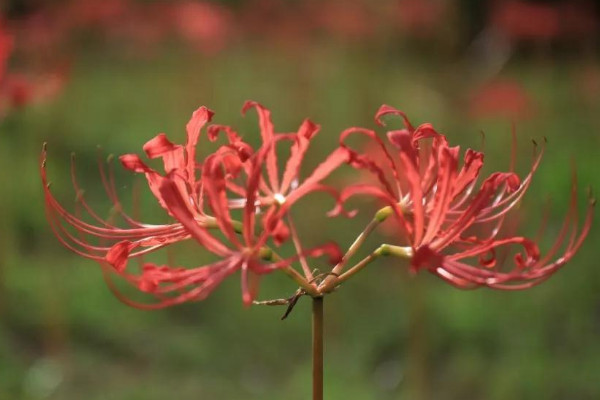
<point x="388" y="335"/>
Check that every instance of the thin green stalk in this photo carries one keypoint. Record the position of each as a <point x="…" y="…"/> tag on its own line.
<point x="360" y="265"/>
<point x="383" y="250"/>
<point x="329" y="282"/>
<point x="309" y="288"/>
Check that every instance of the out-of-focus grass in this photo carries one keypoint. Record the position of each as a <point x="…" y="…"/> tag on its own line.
<point x="388" y="335"/>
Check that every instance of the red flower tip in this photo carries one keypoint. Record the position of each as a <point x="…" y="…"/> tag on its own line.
<point x="243" y="149"/>
<point x="212" y="132"/>
<point x="203" y="113"/>
<point x="247" y="299"/>
<point x="277" y="229"/>
<point x="148" y="283"/>
<point x="199" y="118"/>
<point x="118" y="254"/>
<point x="425" y="131"/>
<point x="401" y="139"/>
<point x="308" y="129"/>
<point x="385" y="110"/>
<point x="148" y="286"/>
<point x="134" y="163"/>
<point x="513" y="182"/>
<point x="339" y="209"/>
<point x="158" y="146"/>
<point x="335" y="253"/>
<point x="248" y="104"/>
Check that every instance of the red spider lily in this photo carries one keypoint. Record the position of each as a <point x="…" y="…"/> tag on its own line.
<point x="183" y="194"/>
<point x="442" y="216"/>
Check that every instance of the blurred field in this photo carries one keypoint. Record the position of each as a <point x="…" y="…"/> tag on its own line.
<point x="389" y="335"/>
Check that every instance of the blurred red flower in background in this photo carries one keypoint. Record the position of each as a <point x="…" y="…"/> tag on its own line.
<point x="207" y="26"/>
<point x="586" y="83"/>
<point x="96" y="14"/>
<point x="6" y="44"/>
<point x="14" y="91"/>
<point x="503" y="98"/>
<point x="419" y="18"/>
<point x="347" y="20"/>
<point x="526" y="21"/>
<point x="579" y="20"/>
<point x="287" y="25"/>
<point x="19" y="89"/>
<point x="522" y="20"/>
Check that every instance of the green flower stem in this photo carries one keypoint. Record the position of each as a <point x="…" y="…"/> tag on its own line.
<point x="382" y="214"/>
<point x="360" y="265"/>
<point x="310" y="289"/>
<point x="329" y="283"/>
<point x="211" y="223"/>
<point x="383" y="250"/>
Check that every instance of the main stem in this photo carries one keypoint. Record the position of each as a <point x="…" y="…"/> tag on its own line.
<point x="317" y="347"/>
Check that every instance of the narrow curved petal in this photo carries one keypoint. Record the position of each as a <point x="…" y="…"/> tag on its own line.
<point x="363" y="161"/>
<point x="389" y="110"/>
<point x="200" y="117"/>
<point x="307" y="131"/>
<point x="171" y="154"/>
<point x="323" y="170"/>
<point x="267" y="133"/>
<point x="214" y="184"/>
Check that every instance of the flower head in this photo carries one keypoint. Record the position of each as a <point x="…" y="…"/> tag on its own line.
<point x="200" y="197"/>
<point x="445" y="221"/>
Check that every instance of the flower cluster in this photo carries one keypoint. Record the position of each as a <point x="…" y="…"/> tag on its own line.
<point x="444" y="222"/>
